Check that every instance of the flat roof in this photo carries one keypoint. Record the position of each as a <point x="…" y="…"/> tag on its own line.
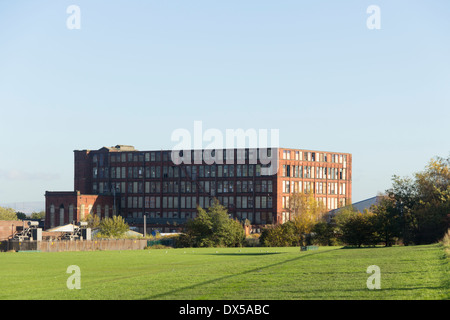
<point x="129" y="148"/>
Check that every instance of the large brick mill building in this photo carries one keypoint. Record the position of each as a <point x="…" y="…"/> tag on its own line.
<point x="132" y="183"/>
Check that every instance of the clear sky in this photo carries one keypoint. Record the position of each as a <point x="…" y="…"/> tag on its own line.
<point x="138" y="70"/>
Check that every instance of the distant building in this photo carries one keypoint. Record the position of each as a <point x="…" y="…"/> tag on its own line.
<point x="122" y="180"/>
<point x="66" y="207"/>
<point x="361" y="205"/>
<point x="9" y="227"/>
<point x="366" y="204"/>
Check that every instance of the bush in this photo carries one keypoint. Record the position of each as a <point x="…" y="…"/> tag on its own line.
<point x="359" y="230"/>
<point x="114" y="227"/>
<point x="252" y="240"/>
<point x="212" y="228"/>
<point x="281" y="235"/>
<point x="323" y="234"/>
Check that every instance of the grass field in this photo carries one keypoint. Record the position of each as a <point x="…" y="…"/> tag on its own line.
<point x="414" y="272"/>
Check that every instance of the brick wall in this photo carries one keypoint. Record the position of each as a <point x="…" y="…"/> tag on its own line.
<point x="79" y="204"/>
<point x="9" y="227"/>
<point x="85" y="245"/>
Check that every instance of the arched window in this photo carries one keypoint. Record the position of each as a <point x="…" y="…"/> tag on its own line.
<point x="70" y="213"/>
<point x="52" y="216"/>
<point x="82" y="212"/>
<point x="61" y="214"/>
<point x="99" y="211"/>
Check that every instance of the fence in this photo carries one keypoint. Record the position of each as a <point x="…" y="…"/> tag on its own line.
<point x="74" y="245"/>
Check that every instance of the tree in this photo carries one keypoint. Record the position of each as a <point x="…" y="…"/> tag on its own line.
<point x="38" y="215"/>
<point x="305" y="211"/>
<point x="20" y="215"/>
<point x="281" y="235"/>
<point x="433" y="197"/>
<point x="93" y="221"/>
<point x="213" y="227"/>
<point x="7" y="214"/>
<point x="359" y="230"/>
<point x="423" y="202"/>
<point x="342" y="216"/>
<point x="387" y="222"/>
<point x="355" y="228"/>
<point x="324" y="234"/>
<point x="114" y="227"/>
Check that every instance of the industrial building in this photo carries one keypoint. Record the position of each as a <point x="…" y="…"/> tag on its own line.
<point x="137" y="184"/>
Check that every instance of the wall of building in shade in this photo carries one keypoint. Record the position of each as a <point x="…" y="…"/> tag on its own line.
<point x="137" y="183"/>
<point x="64" y="207"/>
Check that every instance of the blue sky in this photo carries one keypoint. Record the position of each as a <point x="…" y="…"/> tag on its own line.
<point x="138" y="70"/>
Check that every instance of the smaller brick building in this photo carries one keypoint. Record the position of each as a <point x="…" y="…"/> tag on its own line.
<point x="9" y="227"/>
<point x="64" y="207"/>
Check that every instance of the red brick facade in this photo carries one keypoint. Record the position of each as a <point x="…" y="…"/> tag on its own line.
<point x="149" y="183"/>
<point x="66" y="207"/>
<point x="325" y="174"/>
<point x="9" y="227"/>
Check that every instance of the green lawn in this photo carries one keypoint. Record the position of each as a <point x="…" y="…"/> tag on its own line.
<point x="414" y="272"/>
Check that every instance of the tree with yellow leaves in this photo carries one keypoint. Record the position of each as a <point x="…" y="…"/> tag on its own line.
<point x="305" y="212"/>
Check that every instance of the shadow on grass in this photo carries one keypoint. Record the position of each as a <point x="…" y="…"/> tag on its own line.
<point x="364" y="247"/>
<point x="242" y="253"/>
<point x="259" y="269"/>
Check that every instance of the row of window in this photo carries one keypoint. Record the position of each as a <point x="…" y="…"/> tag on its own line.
<point x="242" y="154"/>
<point x="310" y="172"/>
<point x="244" y="202"/>
<point x="213" y="187"/>
<point x="329" y="203"/>
<point x="314" y="156"/>
<point x="212" y="171"/>
<point x="201" y="171"/>
<point x="103" y="212"/>
<point x="318" y="187"/>
<point x="155" y="156"/>
<point x="255" y="217"/>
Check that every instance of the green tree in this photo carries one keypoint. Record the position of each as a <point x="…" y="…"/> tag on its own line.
<point x="355" y="228"/>
<point x="114" y="227"/>
<point x="7" y="214"/>
<point x="359" y="230"/>
<point x="423" y="202"/>
<point x="341" y="218"/>
<point x="281" y="235"/>
<point x="21" y="215"/>
<point x="38" y="215"/>
<point x="212" y="228"/>
<point x="93" y="221"/>
<point x="387" y="222"/>
<point x="324" y="234"/>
